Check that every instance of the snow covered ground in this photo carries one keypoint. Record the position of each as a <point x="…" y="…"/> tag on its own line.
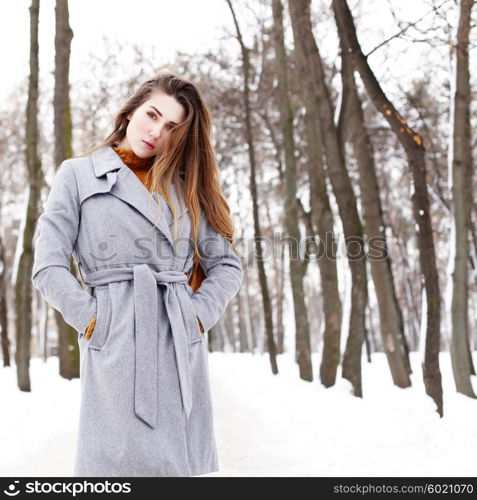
<point x="269" y="425"/>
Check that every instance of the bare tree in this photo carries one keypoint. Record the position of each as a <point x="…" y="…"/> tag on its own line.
<point x="342" y="189"/>
<point x="296" y="265"/>
<point x="321" y="216"/>
<point x="460" y="163"/>
<point x="4" y="338"/>
<point x="23" y="288"/>
<point x="413" y="145"/>
<point x="352" y="123"/>
<point x="67" y="337"/>
<point x="267" y="311"/>
<point x="3" y="306"/>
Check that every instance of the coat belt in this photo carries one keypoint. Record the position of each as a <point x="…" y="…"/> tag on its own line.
<point x="146" y="327"/>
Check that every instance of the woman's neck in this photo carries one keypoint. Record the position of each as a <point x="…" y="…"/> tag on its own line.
<point x="131" y="159"/>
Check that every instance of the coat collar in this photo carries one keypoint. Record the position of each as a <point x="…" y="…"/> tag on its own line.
<point x="124" y="184"/>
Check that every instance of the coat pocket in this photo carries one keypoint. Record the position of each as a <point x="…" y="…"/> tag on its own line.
<point x="100" y="332"/>
<point x="195" y="335"/>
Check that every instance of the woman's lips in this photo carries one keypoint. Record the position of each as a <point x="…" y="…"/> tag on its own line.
<point x="149" y="146"/>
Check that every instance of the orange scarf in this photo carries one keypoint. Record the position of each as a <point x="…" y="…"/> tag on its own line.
<point x="140" y="166"/>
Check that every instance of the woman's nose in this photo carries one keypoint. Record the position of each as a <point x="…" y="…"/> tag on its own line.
<point x="157" y="131"/>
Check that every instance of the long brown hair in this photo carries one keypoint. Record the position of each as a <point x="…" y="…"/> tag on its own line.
<point x="187" y="157"/>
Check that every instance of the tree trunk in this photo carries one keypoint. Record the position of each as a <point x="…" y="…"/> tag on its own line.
<point x="3" y="307"/>
<point x="43" y="330"/>
<point x="278" y="248"/>
<point x="321" y="214"/>
<point x="253" y="340"/>
<point x="267" y="311"/>
<point x="413" y="145"/>
<point x="216" y="338"/>
<point x="68" y="349"/>
<point x="229" y="325"/>
<point x="296" y="265"/>
<point x="461" y="184"/>
<point x="243" y="329"/>
<point x="277" y="259"/>
<point x="23" y="287"/>
<point x="351" y="120"/>
<point x="344" y="195"/>
<point x="280" y="281"/>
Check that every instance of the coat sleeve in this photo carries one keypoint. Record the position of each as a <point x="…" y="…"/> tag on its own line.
<point x="54" y="241"/>
<point x="224" y="274"/>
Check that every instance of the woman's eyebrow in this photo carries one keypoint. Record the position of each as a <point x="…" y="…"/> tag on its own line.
<point x="160" y="114"/>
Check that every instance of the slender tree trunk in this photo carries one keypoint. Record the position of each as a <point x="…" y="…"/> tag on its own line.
<point x="61" y="99"/>
<point x="251" y="333"/>
<point x="267" y="311"/>
<point x="43" y="330"/>
<point x="216" y="338"/>
<point x="253" y="341"/>
<point x="3" y="308"/>
<point x="230" y="326"/>
<point x="413" y="145"/>
<point x="461" y="182"/>
<point x="321" y="214"/>
<point x="23" y="288"/>
<point x="280" y="277"/>
<point x="278" y="248"/>
<point x="278" y="273"/>
<point x="243" y="337"/>
<point x="392" y="328"/>
<point x="67" y="336"/>
<point x="345" y="199"/>
<point x="296" y="265"/>
<point x="410" y="298"/>
<point x="277" y="146"/>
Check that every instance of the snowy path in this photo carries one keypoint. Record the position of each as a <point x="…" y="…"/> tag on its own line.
<point x="280" y="426"/>
<point x="270" y="426"/>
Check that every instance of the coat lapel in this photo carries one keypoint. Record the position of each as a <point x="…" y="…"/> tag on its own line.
<point x="125" y="185"/>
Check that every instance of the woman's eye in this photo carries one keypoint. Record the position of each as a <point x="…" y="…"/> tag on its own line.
<point x="151" y="114"/>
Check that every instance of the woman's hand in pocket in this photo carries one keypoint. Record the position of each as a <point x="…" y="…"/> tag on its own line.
<point x="200" y="325"/>
<point x="90" y="328"/>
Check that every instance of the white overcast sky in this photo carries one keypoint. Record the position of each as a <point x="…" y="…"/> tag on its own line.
<point x="186" y="25"/>
<point x="196" y="26"/>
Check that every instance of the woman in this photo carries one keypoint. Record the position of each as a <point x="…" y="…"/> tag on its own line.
<point x="145" y="219"/>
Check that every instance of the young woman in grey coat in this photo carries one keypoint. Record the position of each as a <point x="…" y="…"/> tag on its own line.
<point x="159" y="269"/>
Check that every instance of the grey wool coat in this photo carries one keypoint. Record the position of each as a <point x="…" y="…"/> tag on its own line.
<point x="146" y="405"/>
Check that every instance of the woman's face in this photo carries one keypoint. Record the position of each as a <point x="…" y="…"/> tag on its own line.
<point x="151" y="122"/>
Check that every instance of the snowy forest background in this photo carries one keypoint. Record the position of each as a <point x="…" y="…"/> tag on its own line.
<point x="334" y="121"/>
